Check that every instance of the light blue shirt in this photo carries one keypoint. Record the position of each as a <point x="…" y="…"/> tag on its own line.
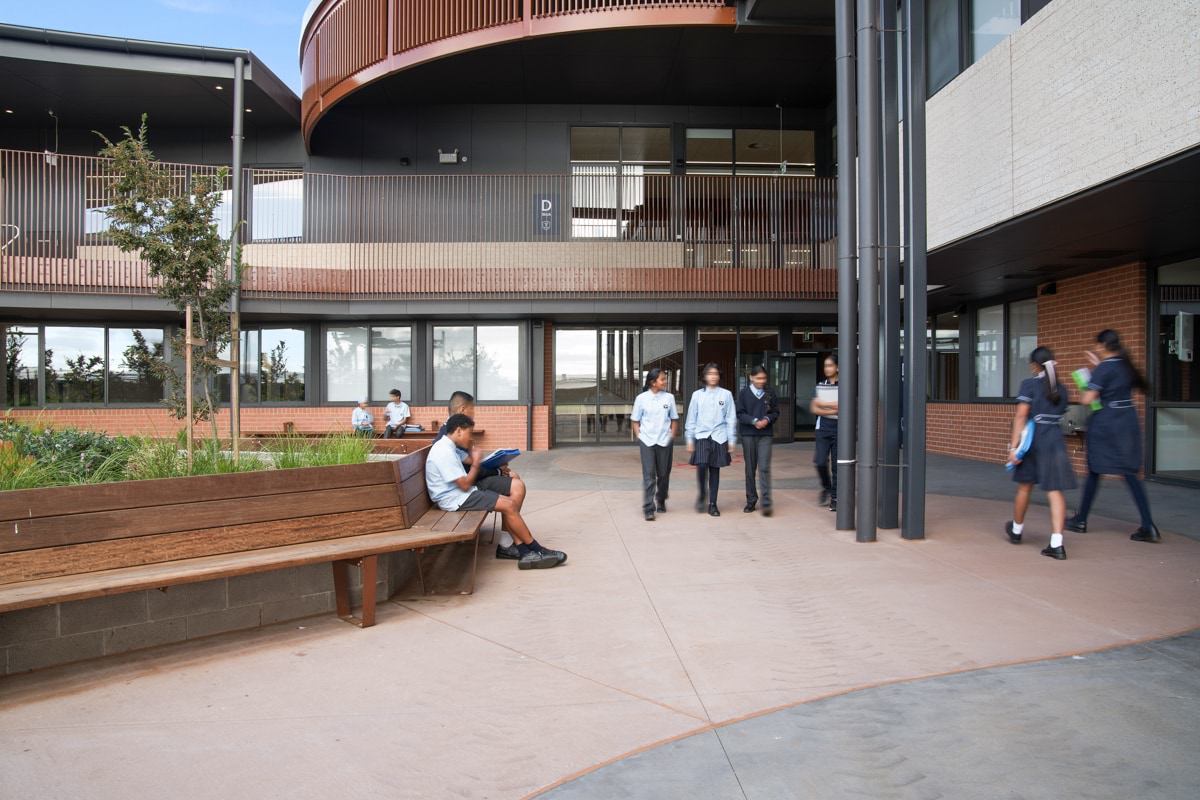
<point x="711" y="415"/>
<point x="442" y="468"/>
<point x="653" y="413"/>
<point x="361" y="418"/>
<point x="757" y="391"/>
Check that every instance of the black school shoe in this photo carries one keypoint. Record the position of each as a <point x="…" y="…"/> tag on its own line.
<point x="649" y="516"/>
<point x="823" y="497"/>
<point x="767" y="511"/>
<point x="1057" y="553"/>
<point x="749" y="509"/>
<point x="1077" y="525"/>
<point x="511" y="552"/>
<point x="1015" y="538"/>
<point x="713" y="511"/>
<point x="543" y="560"/>
<point x="559" y="554"/>
<point x="662" y="507"/>
<point x="1150" y="535"/>
<point x="833" y="504"/>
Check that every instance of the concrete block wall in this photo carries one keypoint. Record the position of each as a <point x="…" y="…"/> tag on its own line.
<point x="1085" y="91"/>
<point x="1068" y="322"/>
<point x="51" y="635"/>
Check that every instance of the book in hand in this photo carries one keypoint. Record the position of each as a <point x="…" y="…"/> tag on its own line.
<point x="827" y="393"/>
<point x="1082" y="378"/>
<point x="498" y="458"/>
<point x="1022" y="446"/>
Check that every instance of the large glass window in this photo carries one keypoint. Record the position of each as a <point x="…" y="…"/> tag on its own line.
<point x="942" y="43"/>
<point x="282" y="355"/>
<point x="132" y="354"/>
<point x="391" y="362"/>
<point x="21" y="366"/>
<point x="989" y="349"/>
<point x="766" y="151"/>
<point x="610" y="169"/>
<point x="346" y="363"/>
<point x="1176" y="381"/>
<point x="484" y="360"/>
<point x="1022" y="340"/>
<point x="576" y="385"/>
<point x="74" y="365"/>
<point x="710" y="150"/>
<point x="944" y="372"/>
<point x="991" y="21"/>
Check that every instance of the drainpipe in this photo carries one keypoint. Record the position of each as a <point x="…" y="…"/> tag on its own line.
<point x="847" y="264"/>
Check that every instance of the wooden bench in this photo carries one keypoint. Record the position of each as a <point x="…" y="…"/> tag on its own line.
<point x="77" y="542"/>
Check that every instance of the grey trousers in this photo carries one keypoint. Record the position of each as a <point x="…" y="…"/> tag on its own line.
<point x="656" y="474"/>
<point x="757" y="452"/>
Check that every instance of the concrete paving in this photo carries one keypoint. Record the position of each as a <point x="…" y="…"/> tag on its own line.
<point x="651" y="632"/>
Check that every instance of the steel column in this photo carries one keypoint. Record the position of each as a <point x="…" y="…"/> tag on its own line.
<point x="915" y="311"/>
<point x="235" y="255"/>
<point x="847" y="264"/>
<point x="869" y="145"/>
<point x="890" y="320"/>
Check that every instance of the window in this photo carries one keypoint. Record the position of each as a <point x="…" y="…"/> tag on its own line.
<point x="282" y="354"/>
<point x="609" y="168"/>
<point x="1005" y="335"/>
<point x="766" y="151"/>
<point x="989" y="344"/>
<point x="942" y="43"/>
<point x="943" y="372"/>
<point x="21" y="366"/>
<point x="367" y="360"/>
<point x="132" y="353"/>
<point x="74" y="365"/>
<point x="991" y="22"/>
<point x="1022" y="340"/>
<point x="483" y="360"/>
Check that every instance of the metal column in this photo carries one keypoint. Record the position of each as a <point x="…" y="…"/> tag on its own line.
<point x="889" y="287"/>
<point x="869" y="124"/>
<point x="913" y="521"/>
<point x="847" y="264"/>
<point x="235" y="256"/>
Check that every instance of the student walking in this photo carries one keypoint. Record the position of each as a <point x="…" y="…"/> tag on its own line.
<point x="711" y="432"/>
<point x="1114" y="438"/>
<point x="757" y="409"/>
<point x="825" y="454"/>
<point x="655" y="421"/>
<point x="1042" y="400"/>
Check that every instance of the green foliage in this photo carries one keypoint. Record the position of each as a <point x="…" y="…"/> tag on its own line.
<point x="326" y="451"/>
<point x="172" y="226"/>
<point x="69" y="455"/>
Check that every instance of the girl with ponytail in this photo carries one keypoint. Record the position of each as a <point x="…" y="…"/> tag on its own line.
<point x="1114" y="437"/>
<point x="655" y="420"/>
<point x="1042" y="400"/>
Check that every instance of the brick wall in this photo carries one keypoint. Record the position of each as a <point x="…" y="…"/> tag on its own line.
<point x="1068" y="322"/>
<point x="504" y="426"/>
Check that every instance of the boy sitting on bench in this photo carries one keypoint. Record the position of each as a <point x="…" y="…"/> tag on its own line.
<point x="453" y="487"/>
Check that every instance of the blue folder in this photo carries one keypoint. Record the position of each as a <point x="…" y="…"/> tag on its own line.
<point x="1023" y="445"/>
<point x="499" y="458"/>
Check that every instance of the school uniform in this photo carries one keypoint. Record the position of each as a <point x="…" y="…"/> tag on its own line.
<point x="711" y="427"/>
<point x="655" y="412"/>
<point x="826" y="441"/>
<point x="363" y="421"/>
<point x="394" y="413"/>
<point x="753" y="405"/>
<point x="444" y="465"/>
<point x="1046" y="463"/>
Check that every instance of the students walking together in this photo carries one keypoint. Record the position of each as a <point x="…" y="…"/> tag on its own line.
<point x="825" y="454"/>
<point x="655" y="421"/>
<point x="711" y="432"/>
<point x="1042" y="400"/>
<point x="757" y="409"/>
<point x="1114" y="438"/>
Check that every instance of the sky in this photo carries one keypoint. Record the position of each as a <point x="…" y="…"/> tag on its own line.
<point x="268" y="28"/>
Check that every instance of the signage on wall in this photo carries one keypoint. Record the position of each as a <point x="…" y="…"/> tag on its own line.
<point x="545" y="214"/>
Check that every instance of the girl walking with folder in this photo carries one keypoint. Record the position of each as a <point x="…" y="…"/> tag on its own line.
<point x="825" y="454"/>
<point x="1114" y="438"/>
<point x="1042" y="400"/>
<point x="711" y="432"/>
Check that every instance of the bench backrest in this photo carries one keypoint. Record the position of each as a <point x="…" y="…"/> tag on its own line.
<point x="71" y="530"/>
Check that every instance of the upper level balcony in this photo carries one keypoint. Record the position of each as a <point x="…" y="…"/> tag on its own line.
<point x="606" y="232"/>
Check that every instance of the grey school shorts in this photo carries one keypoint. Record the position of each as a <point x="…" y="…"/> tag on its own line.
<point x="488" y="491"/>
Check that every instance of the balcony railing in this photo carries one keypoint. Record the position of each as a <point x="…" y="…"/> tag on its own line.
<point x="599" y="233"/>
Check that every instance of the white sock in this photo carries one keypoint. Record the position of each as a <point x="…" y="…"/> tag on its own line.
<point x="1018" y="527"/>
<point x="1056" y="540"/>
<point x="506" y="539"/>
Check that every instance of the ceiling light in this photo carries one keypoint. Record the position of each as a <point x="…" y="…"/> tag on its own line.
<point x="8" y="111"/>
<point x="756" y="146"/>
<point x="249" y="110"/>
<point x="219" y="87"/>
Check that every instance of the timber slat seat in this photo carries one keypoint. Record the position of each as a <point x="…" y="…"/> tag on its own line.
<point x="78" y="542"/>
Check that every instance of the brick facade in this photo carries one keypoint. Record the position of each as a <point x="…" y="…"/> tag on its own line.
<point x="1068" y="322"/>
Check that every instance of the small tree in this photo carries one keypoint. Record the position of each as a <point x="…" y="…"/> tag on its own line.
<point x="173" y="228"/>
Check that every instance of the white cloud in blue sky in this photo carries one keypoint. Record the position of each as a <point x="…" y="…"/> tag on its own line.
<point x="269" y="28"/>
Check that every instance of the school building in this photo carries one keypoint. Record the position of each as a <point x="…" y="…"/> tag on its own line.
<point x="538" y="200"/>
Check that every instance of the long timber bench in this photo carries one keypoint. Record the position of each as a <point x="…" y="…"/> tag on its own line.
<point x="77" y="542"/>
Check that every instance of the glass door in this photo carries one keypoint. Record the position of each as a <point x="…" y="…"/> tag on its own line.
<point x="808" y="368"/>
<point x="781" y="375"/>
<point x="619" y="381"/>
<point x="576" y="386"/>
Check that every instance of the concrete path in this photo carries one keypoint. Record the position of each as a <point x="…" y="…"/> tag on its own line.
<point x="652" y="631"/>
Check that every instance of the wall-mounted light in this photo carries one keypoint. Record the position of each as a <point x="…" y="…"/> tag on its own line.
<point x="448" y="158"/>
<point x="404" y="162"/>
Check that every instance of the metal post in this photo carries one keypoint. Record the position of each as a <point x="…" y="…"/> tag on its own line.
<point x="187" y="376"/>
<point x="913" y="522"/>
<point x="235" y="257"/>
<point x="889" y="289"/>
<point x="868" y="269"/>
<point x="847" y="264"/>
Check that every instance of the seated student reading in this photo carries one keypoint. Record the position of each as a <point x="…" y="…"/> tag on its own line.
<point x="362" y="420"/>
<point x="454" y="487"/>
<point x="396" y="416"/>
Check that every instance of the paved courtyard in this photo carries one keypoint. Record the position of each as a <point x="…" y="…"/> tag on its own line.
<point x="689" y="657"/>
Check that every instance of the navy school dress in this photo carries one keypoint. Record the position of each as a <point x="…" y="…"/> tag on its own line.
<point x="1114" y="438"/>
<point x="1046" y="464"/>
